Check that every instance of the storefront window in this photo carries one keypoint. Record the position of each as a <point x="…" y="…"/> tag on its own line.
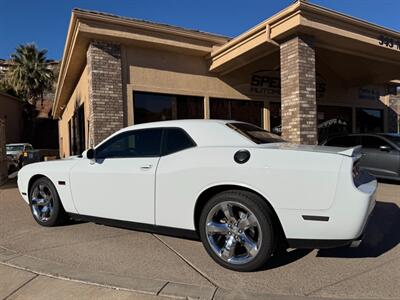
<point x="151" y="107"/>
<point x="333" y="120"/>
<point x="76" y="128"/>
<point x="239" y="110"/>
<point x="369" y="120"/>
<point x="275" y="117"/>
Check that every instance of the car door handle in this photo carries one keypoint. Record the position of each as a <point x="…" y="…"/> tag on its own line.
<point x="146" y="167"/>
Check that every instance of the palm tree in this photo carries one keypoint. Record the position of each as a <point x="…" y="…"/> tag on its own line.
<point x="29" y="74"/>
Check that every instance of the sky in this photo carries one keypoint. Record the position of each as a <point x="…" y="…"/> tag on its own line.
<point x="45" y="22"/>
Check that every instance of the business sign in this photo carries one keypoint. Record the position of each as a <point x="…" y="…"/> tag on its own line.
<point x="268" y="83"/>
<point x="369" y="93"/>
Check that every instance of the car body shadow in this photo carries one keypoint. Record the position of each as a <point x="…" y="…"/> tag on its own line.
<point x="284" y="258"/>
<point x="389" y="181"/>
<point x="381" y="234"/>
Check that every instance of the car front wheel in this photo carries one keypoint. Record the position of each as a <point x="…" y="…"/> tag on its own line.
<point x="45" y="203"/>
<point x="237" y="231"/>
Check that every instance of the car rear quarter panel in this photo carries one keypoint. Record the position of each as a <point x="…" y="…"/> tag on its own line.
<point x="289" y="180"/>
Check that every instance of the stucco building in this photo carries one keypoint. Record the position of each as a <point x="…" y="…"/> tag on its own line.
<point x="11" y="111"/>
<point x="306" y="72"/>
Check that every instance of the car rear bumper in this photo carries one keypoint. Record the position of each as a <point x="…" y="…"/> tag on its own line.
<point x="334" y="243"/>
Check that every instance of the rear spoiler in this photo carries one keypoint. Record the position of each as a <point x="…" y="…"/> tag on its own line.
<point x="352" y="152"/>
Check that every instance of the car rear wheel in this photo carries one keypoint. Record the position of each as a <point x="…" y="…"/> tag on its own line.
<point x="45" y="203"/>
<point x="237" y="231"/>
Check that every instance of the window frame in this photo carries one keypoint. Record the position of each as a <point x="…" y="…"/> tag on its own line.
<point x="358" y="126"/>
<point x="171" y="96"/>
<point x="128" y="132"/>
<point x="164" y="141"/>
<point x="230" y="102"/>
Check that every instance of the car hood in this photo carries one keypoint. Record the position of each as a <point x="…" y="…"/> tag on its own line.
<point x="314" y="148"/>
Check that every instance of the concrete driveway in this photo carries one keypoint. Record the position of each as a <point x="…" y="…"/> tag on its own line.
<point x="174" y="267"/>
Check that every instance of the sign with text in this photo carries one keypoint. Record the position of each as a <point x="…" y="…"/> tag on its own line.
<point x="268" y="83"/>
<point x="369" y="93"/>
<point x="389" y="42"/>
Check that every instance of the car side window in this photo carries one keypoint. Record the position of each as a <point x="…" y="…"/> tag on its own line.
<point x="372" y="142"/>
<point x="136" y="143"/>
<point x="176" y="139"/>
<point x="344" y="141"/>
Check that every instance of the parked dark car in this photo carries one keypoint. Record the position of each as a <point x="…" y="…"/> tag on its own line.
<point x="381" y="152"/>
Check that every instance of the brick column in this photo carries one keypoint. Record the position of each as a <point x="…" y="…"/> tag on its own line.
<point x="3" y="156"/>
<point x="299" y="108"/>
<point x="106" y="109"/>
<point x="394" y="113"/>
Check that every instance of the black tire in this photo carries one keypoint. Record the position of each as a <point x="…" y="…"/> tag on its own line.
<point x="264" y="228"/>
<point x="57" y="215"/>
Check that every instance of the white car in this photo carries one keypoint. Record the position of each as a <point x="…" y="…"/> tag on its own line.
<point x="15" y="152"/>
<point x="243" y="190"/>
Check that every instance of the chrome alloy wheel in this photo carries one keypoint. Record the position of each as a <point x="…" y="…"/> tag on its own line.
<point x="42" y="202"/>
<point x="233" y="232"/>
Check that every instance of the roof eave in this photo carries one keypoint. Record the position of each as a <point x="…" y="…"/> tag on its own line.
<point x="82" y="27"/>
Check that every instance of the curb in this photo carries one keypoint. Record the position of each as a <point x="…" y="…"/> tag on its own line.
<point x="147" y="286"/>
<point x="140" y="285"/>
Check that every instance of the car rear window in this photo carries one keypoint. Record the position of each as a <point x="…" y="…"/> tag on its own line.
<point x="255" y="133"/>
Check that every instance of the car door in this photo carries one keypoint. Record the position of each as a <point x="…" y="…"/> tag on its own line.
<point x="379" y="157"/>
<point x="175" y="180"/>
<point x="119" y="183"/>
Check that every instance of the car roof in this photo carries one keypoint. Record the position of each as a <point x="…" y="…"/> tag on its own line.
<point x="177" y="123"/>
<point x="204" y="132"/>
<point x="395" y="135"/>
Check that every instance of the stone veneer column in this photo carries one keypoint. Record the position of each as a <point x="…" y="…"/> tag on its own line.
<point x="298" y="90"/>
<point x="3" y="156"/>
<point x="106" y="109"/>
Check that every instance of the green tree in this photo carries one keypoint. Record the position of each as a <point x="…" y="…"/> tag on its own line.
<point x="29" y="74"/>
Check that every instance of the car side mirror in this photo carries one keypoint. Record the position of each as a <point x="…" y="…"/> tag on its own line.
<point x="385" y="148"/>
<point x="90" y="154"/>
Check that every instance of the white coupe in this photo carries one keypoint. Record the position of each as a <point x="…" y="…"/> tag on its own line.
<point x="244" y="191"/>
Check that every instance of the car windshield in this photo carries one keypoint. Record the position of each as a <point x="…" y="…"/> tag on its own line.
<point x="14" y="148"/>
<point x="255" y="134"/>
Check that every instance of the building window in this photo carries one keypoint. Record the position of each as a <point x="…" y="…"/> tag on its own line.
<point x="275" y="116"/>
<point x="151" y="107"/>
<point x="239" y="110"/>
<point x="369" y="120"/>
<point x="76" y="128"/>
<point x="333" y="120"/>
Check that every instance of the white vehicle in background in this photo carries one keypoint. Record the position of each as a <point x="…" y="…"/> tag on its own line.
<point x="14" y="153"/>
<point x="244" y="191"/>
